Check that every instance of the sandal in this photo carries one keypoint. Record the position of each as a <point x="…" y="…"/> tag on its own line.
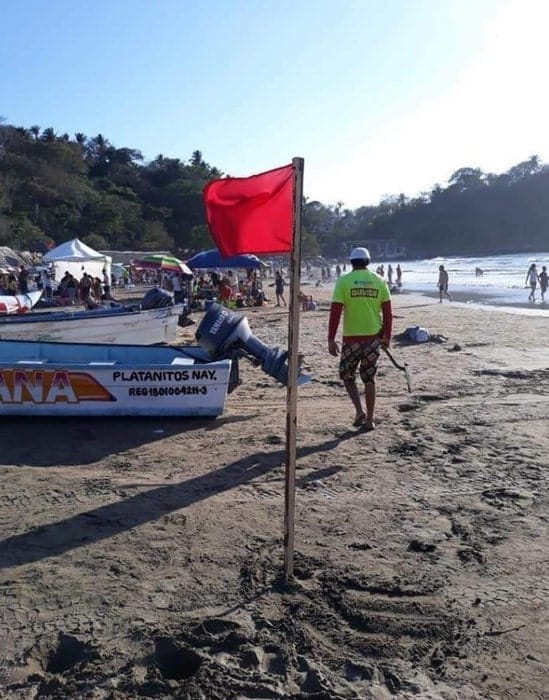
<point x="368" y="425"/>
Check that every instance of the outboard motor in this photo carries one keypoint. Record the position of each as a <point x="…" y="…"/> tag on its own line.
<point x="222" y="333"/>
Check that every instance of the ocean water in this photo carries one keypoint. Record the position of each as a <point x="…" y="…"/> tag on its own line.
<point x="502" y="282"/>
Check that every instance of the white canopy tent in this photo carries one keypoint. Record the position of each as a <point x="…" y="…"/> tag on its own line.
<point x="77" y="257"/>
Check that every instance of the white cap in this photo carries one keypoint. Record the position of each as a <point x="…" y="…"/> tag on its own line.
<point x="360" y="254"/>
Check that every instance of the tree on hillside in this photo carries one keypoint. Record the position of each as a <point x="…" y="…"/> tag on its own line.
<point x="48" y="135"/>
<point x="55" y="187"/>
<point x="525" y="169"/>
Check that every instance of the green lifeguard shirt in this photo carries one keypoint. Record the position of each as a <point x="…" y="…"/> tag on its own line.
<point x="362" y="293"/>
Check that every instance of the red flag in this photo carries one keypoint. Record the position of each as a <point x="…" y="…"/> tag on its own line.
<point x="251" y="214"/>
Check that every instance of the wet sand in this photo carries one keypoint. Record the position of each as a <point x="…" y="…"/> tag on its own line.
<point x="143" y="558"/>
<point x="483" y="299"/>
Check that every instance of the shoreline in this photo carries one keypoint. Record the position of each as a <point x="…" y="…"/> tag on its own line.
<point x="469" y="297"/>
<point x="483" y="301"/>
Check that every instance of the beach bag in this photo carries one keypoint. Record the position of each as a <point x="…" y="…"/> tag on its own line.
<point x="417" y="334"/>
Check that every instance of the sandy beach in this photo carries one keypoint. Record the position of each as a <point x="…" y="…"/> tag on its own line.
<point x="143" y="558"/>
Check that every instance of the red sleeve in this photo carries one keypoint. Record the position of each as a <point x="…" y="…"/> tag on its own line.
<point x="387" y="328"/>
<point x="333" y="323"/>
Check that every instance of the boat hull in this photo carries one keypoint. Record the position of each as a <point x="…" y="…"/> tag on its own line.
<point x="19" y="303"/>
<point x="117" y="327"/>
<point x="75" y="379"/>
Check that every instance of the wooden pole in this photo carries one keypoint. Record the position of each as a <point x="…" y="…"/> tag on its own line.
<point x="293" y="371"/>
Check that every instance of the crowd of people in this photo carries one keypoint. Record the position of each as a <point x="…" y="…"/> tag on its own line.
<point x="89" y="291"/>
<point x="249" y="289"/>
<point x="232" y="290"/>
<point x="68" y="291"/>
<point x="15" y="282"/>
<point x="394" y="276"/>
<point x="230" y="287"/>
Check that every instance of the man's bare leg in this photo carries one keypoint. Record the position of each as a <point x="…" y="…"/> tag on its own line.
<point x="370" y="395"/>
<point x="354" y="395"/>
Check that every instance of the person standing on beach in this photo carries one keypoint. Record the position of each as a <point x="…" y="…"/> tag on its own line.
<point x="106" y="284"/>
<point x="23" y="280"/>
<point x="543" y="282"/>
<point x="365" y="301"/>
<point x="443" y="284"/>
<point x="48" y="286"/>
<point x="279" y="288"/>
<point x="532" y="280"/>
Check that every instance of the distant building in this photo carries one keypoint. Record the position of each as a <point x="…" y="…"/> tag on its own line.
<point x="382" y="248"/>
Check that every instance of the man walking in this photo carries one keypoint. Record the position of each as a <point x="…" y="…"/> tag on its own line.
<point x="442" y="283"/>
<point x="365" y="301"/>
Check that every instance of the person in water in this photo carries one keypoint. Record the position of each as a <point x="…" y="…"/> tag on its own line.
<point x="532" y="281"/>
<point x="543" y="282"/>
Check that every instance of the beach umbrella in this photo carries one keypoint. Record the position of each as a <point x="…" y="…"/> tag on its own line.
<point x="166" y="263"/>
<point x="212" y="258"/>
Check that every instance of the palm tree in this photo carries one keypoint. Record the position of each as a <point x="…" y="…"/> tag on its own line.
<point x="48" y="135"/>
<point x="81" y="139"/>
<point x="196" y="159"/>
<point x="22" y="132"/>
<point x="96" y="151"/>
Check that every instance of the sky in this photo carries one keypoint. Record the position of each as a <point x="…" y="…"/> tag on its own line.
<point x="380" y="97"/>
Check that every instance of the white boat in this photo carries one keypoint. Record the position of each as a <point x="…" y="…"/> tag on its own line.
<point x="19" y="303"/>
<point x="109" y="379"/>
<point x="76" y="379"/>
<point x="117" y="325"/>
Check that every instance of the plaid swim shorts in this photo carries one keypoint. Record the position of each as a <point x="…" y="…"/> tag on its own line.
<point x="352" y="354"/>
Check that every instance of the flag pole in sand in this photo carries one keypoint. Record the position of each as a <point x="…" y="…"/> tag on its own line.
<point x="257" y="215"/>
<point x="293" y="372"/>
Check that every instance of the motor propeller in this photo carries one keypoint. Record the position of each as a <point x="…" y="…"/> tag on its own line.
<point x="223" y="333"/>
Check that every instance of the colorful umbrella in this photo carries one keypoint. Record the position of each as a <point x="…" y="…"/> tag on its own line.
<point x="212" y="258"/>
<point x="158" y="261"/>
